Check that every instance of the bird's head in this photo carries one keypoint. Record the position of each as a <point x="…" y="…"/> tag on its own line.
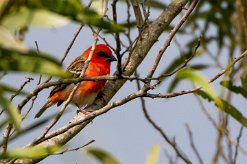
<point x="102" y="54"/>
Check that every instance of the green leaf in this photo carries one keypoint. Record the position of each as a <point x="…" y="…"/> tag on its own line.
<point x="90" y="17"/>
<point x="25" y="17"/>
<point x="225" y="106"/>
<point x="12" y="112"/>
<point x="175" y="64"/>
<point x="33" y="126"/>
<point x="174" y="83"/>
<point x="74" y="10"/>
<point x="230" y="109"/>
<point x="30" y="61"/>
<point x="153" y="3"/>
<point x="10" y="89"/>
<point x="204" y="95"/>
<point x="103" y="156"/>
<point x="198" y="79"/>
<point x="153" y="156"/>
<point x="236" y="89"/>
<point x="7" y="40"/>
<point x="199" y="66"/>
<point x="157" y="4"/>
<point x="244" y="82"/>
<point x="3" y="123"/>
<point x="30" y="152"/>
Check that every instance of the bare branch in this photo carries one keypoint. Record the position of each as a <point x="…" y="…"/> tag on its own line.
<point x="138" y="14"/>
<point x="75" y="149"/>
<point x="237" y="145"/>
<point x="117" y="39"/>
<point x="193" y="145"/>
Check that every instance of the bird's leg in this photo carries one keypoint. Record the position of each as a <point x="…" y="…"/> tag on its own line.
<point x="82" y="110"/>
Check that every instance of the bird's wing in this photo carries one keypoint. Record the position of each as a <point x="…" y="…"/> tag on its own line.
<point x="74" y="68"/>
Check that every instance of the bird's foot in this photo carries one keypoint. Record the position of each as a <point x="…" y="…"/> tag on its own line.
<point x="85" y="112"/>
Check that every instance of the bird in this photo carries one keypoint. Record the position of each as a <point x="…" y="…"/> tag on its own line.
<point x="87" y="92"/>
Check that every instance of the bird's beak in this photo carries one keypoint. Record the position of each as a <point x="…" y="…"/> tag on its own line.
<point x="111" y="58"/>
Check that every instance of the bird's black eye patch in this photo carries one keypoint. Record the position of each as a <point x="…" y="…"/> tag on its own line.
<point x="103" y="54"/>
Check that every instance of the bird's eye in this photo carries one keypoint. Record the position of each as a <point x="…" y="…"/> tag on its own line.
<point x="103" y="54"/>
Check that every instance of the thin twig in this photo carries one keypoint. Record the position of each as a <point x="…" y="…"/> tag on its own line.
<point x="207" y="114"/>
<point x="138" y="14"/>
<point x="29" y="79"/>
<point x="6" y="137"/>
<point x="237" y="145"/>
<point x="75" y="149"/>
<point x="117" y="39"/>
<point x="193" y="145"/>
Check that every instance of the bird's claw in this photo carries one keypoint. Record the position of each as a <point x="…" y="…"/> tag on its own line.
<point x="82" y="111"/>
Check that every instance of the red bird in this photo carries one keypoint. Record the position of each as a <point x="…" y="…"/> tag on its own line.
<point x="88" y="90"/>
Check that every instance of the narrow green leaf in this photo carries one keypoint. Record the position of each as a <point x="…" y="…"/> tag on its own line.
<point x="199" y="66"/>
<point x="157" y="4"/>
<point x="103" y="156"/>
<point x="225" y="106"/>
<point x="153" y="156"/>
<point x="3" y="123"/>
<point x="176" y="63"/>
<point x="10" y="89"/>
<point x="198" y="79"/>
<point x="90" y="17"/>
<point x="174" y="83"/>
<point x="7" y="40"/>
<point x="236" y="89"/>
<point x="244" y="82"/>
<point x="74" y="10"/>
<point x="25" y="17"/>
<point x="153" y="3"/>
<point x="30" y="152"/>
<point x="12" y="112"/>
<point x="205" y="95"/>
<point x="230" y="109"/>
<point x="30" y="61"/>
<point x="33" y="126"/>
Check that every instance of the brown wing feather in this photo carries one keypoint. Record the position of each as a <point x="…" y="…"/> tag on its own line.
<point x="75" y="68"/>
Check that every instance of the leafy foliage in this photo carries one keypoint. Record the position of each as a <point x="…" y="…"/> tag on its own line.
<point x="30" y="61"/>
<point x="236" y="89"/>
<point x="13" y="115"/>
<point x="216" y="12"/>
<point x="153" y="156"/>
<point x="102" y="156"/>
<point x="225" y="106"/>
<point x="30" y="152"/>
<point x="56" y="13"/>
<point x="208" y="93"/>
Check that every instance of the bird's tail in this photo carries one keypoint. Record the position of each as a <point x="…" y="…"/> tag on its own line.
<point x="44" y="107"/>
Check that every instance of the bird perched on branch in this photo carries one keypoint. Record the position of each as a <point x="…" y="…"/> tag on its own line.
<point x="88" y="90"/>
